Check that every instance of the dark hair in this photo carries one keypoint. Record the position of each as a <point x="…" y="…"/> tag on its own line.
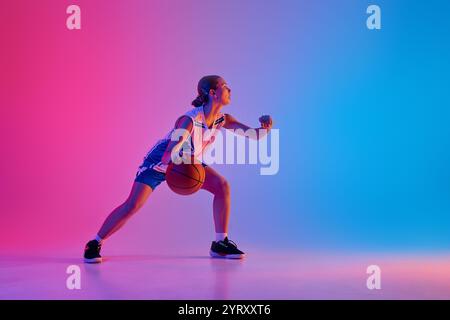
<point x="204" y="85"/>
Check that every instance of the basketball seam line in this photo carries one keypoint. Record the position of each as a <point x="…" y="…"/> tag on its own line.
<point x="188" y="176"/>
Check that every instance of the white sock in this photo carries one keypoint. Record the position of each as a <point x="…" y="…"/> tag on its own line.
<point x="221" y="236"/>
<point x="99" y="240"/>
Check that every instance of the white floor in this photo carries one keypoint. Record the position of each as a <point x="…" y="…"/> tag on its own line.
<point x="268" y="275"/>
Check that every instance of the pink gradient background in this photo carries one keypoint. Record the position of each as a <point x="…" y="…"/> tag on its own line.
<point x="83" y="107"/>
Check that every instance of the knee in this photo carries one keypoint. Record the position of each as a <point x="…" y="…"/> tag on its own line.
<point x="224" y="188"/>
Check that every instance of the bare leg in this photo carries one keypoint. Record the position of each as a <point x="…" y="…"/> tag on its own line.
<point x="138" y="195"/>
<point x="219" y="187"/>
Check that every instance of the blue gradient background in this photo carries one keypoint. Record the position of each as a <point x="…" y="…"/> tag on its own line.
<point x="368" y="125"/>
<point x="363" y="119"/>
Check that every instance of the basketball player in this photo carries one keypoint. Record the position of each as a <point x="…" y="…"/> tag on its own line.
<point x="213" y="95"/>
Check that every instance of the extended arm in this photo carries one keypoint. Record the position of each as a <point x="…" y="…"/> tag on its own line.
<point x="231" y="123"/>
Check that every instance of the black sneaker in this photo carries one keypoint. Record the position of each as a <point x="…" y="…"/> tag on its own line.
<point x="92" y="252"/>
<point x="225" y="249"/>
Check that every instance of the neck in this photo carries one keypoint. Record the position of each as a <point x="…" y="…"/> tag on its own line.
<point x="212" y="108"/>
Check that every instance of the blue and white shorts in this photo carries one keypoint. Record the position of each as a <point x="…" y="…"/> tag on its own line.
<point x="152" y="172"/>
<point x="149" y="176"/>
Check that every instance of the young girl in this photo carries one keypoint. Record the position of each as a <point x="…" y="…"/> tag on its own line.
<point x="213" y="95"/>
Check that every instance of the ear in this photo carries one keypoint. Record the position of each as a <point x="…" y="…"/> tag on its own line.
<point x="212" y="92"/>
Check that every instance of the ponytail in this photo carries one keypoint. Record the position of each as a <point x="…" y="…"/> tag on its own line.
<point x="200" y="100"/>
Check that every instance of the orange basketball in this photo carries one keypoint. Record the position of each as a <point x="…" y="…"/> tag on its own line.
<point x="185" y="179"/>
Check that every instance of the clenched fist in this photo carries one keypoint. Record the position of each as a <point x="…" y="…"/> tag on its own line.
<point x="266" y="122"/>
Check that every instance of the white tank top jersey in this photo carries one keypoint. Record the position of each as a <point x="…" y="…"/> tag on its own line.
<point x="201" y="137"/>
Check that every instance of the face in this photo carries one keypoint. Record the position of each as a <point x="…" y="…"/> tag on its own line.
<point x="223" y="93"/>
